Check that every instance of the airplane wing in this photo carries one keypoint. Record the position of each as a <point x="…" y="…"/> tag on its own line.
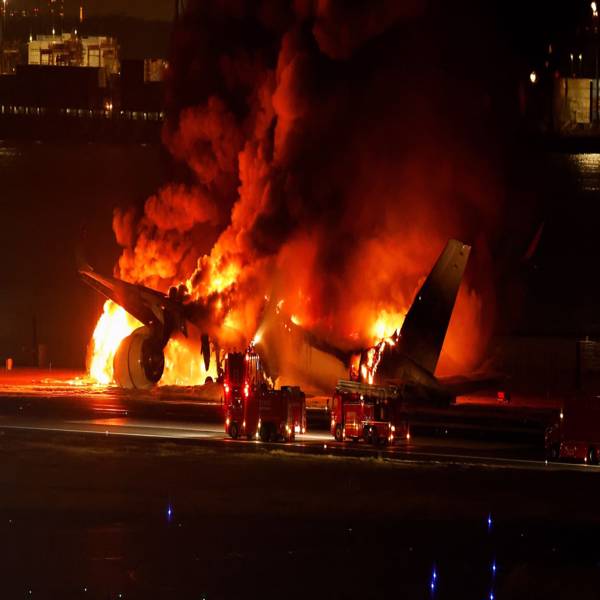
<point x="145" y="304"/>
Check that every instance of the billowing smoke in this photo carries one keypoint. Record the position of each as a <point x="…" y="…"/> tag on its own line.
<point x="332" y="148"/>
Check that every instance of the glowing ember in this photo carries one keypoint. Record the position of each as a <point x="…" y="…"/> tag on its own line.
<point x="112" y="328"/>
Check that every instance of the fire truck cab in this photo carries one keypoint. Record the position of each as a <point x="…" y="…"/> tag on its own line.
<point x="576" y="434"/>
<point x="368" y="412"/>
<point x="255" y="410"/>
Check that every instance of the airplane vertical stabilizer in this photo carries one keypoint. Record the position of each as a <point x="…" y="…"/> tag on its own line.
<point x="424" y="328"/>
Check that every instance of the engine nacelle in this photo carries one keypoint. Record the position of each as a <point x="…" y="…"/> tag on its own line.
<point x="139" y="362"/>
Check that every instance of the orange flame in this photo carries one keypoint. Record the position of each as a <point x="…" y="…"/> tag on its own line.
<point x="386" y="324"/>
<point x="184" y="364"/>
<point x="183" y="361"/>
<point x="113" y="326"/>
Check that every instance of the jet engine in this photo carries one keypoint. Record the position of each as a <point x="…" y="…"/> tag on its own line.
<point x="139" y="362"/>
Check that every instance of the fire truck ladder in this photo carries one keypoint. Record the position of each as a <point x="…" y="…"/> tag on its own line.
<point x="367" y="390"/>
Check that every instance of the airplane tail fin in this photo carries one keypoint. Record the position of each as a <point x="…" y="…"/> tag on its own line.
<point x="424" y="328"/>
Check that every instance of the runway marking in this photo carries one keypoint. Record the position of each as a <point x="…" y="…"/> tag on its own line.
<point x="104" y="432"/>
<point x="148" y="425"/>
<point x="333" y="448"/>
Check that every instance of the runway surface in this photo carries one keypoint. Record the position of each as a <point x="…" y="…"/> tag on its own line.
<point x="109" y="494"/>
<point x="66" y="402"/>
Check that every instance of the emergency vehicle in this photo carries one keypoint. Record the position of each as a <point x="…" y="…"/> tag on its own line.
<point x="253" y="408"/>
<point x="372" y="413"/>
<point x="576" y="434"/>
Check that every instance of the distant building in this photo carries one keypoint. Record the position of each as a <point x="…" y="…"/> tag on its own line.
<point x="10" y="57"/>
<point x="575" y="104"/>
<point x="142" y="85"/>
<point x="155" y="69"/>
<point x="68" y="50"/>
<point x="72" y="75"/>
<point x="59" y="87"/>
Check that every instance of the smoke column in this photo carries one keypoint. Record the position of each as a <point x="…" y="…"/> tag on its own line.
<point x="330" y="148"/>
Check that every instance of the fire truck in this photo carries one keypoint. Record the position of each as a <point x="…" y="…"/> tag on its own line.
<point x="253" y="408"/>
<point x="576" y="434"/>
<point x="372" y="413"/>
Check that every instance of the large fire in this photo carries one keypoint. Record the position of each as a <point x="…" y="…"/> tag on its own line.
<point x="386" y="324"/>
<point x="288" y="194"/>
<point x="183" y="361"/>
<point x="113" y="326"/>
<point x="184" y="365"/>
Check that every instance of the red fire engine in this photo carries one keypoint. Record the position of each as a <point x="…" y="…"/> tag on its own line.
<point x="255" y="410"/>
<point x="576" y="435"/>
<point x="369" y="412"/>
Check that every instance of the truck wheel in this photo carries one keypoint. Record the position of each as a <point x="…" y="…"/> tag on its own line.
<point x="374" y="436"/>
<point x="264" y="433"/>
<point x="553" y="452"/>
<point x="592" y="456"/>
<point x="233" y="431"/>
<point x="339" y="433"/>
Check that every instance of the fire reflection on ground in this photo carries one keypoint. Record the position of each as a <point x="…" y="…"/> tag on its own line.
<point x="64" y="383"/>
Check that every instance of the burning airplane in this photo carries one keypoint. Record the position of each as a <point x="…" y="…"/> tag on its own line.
<point x="289" y="352"/>
<point x="283" y="192"/>
<point x="137" y="350"/>
<point x="408" y="357"/>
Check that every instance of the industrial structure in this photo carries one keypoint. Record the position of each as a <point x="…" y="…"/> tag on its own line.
<point x="74" y="51"/>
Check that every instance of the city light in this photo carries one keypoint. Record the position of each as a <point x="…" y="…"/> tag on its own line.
<point x="594" y="7"/>
<point x="533" y="76"/>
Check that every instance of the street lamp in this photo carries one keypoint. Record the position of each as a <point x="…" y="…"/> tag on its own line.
<point x="594" y="8"/>
<point x="572" y="69"/>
